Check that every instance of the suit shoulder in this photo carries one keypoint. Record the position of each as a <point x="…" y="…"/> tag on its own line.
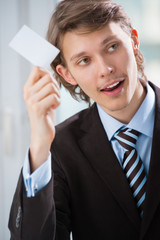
<point x="71" y="123"/>
<point x="71" y="127"/>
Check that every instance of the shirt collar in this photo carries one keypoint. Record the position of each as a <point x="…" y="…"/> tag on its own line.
<point x="142" y="121"/>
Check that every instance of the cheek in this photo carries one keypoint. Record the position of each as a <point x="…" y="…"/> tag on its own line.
<point x="84" y="77"/>
<point x="130" y="62"/>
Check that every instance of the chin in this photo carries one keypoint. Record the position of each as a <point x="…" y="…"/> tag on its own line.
<point x="119" y="107"/>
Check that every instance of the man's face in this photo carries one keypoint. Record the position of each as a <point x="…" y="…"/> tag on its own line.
<point x="103" y="64"/>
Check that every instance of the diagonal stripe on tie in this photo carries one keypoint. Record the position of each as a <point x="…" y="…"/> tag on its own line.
<point x="133" y="165"/>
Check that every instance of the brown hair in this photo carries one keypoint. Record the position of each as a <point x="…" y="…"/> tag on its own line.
<point x="90" y="15"/>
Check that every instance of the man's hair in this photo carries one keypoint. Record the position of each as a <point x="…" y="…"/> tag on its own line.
<point x="90" y="15"/>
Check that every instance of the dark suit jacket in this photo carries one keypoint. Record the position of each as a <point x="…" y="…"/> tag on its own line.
<point x="91" y="193"/>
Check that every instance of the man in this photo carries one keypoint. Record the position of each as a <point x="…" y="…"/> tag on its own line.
<point x="105" y="167"/>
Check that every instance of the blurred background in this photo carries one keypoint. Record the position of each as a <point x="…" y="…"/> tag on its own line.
<point x="14" y="70"/>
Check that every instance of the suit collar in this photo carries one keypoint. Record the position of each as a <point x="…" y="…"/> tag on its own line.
<point x="153" y="182"/>
<point x="99" y="153"/>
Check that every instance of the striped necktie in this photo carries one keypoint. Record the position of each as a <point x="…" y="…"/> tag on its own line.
<point x="133" y="165"/>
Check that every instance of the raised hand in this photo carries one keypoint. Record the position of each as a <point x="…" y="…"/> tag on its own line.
<point x="41" y="94"/>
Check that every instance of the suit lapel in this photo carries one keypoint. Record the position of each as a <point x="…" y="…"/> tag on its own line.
<point x="99" y="153"/>
<point x="153" y="182"/>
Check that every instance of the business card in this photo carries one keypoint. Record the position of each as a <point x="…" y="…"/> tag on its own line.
<point x="34" y="48"/>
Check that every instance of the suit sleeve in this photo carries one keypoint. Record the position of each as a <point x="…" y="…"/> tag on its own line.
<point x="45" y="216"/>
<point x="32" y="218"/>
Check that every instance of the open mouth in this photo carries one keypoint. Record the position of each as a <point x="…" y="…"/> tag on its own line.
<point x="114" y="88"/>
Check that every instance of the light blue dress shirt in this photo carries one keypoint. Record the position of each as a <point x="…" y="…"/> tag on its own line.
<point x="143" y="121"/>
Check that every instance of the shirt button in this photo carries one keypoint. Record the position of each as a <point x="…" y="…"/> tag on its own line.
<point x="36" y="187"/>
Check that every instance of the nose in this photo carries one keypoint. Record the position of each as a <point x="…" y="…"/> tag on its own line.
<point x="105" y="68"/>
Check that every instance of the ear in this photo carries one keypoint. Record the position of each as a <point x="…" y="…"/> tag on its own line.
<point x="135" y="40"/>
<point x="67" y="76"/>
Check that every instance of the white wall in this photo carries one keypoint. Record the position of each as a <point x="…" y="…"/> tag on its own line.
<point x="10" y="108"/>
<point x="14" y="128"/>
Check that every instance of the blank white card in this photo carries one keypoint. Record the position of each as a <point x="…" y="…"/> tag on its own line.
<point x="34" y="48"/>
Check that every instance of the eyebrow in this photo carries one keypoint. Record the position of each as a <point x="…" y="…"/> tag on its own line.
<point x="106" y="40"/>
<point x="77" y="55"/>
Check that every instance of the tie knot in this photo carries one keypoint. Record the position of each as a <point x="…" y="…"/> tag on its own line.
<point x="127" y="137"/>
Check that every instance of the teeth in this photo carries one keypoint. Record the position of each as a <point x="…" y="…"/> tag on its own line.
<point x="113" y="85"/>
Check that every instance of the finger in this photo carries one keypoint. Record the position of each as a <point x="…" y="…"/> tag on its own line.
<point x="47" y="79"/>
<point x="37" y="79"/>
<point x="35" y="75"/>
<point x="50" y="75"/>
<point x="48" y="89"/>
<point x="52" y="101"/>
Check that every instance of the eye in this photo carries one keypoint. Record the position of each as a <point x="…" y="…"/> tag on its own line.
<point x="83" y="61"/>
<point x="112" y="47"/>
